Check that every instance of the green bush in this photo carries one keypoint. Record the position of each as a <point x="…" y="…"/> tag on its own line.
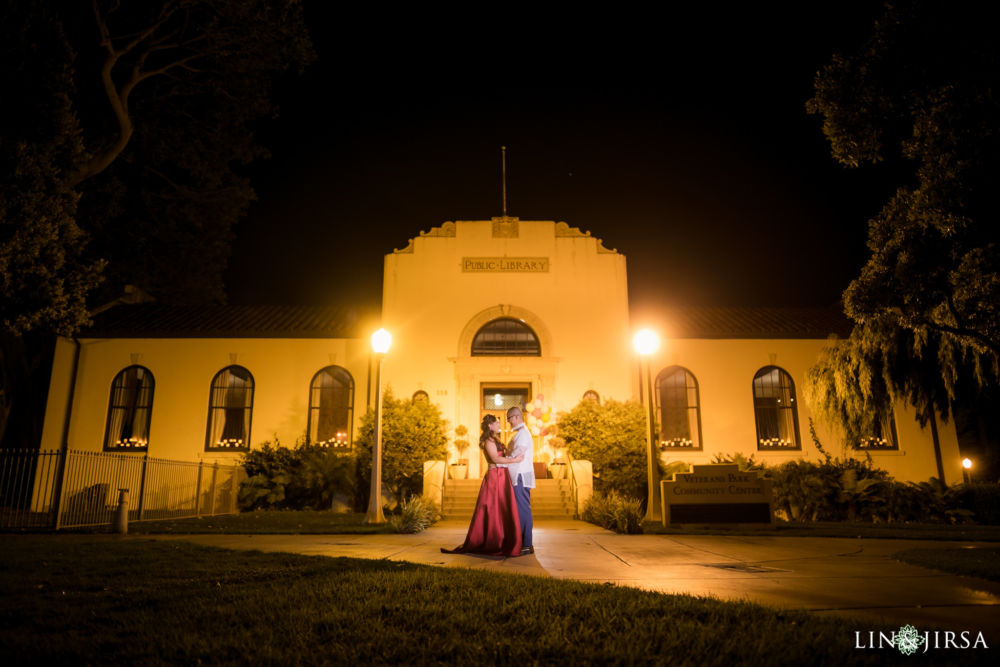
<point x="612" y="436"/>
<point x="926" y="502"/>
<point x="614" y="512"/>
<point x="983" y="500"/>
<point x="744" y="463"/>
<point x="412" y="432"/>
<point x="833" y="490"/>
<point x="416" y="515"/>
<point x="299" y="478"/>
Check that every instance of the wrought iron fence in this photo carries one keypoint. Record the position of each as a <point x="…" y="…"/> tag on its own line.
<point x="56" y="489"/>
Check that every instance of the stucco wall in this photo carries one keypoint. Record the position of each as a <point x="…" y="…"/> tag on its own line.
<point x="433" y="305"/>
<point x="725" y="370"/>
<point x="183" y="369"/>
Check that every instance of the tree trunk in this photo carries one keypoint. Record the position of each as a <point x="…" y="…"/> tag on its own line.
<point x="937" y="449"/>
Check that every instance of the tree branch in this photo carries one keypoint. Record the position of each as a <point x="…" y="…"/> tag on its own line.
<point x="118" y="97"/>
<point x="972" y="334"/>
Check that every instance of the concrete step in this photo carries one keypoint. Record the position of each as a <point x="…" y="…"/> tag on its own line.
<point x="550" y="499"/>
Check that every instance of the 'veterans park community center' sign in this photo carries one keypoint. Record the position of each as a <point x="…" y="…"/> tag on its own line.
<point x="717" y="494"/>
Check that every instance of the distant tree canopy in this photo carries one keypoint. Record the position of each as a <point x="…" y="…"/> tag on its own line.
<point x="921" y="94"/>
<point x="126" y="124"/>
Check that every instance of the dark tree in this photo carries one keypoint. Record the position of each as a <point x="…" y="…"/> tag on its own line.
<point x="921" y="94"/>
<point x="919" y="97"/>
<point x="133" y="120"/>
<point x="44" y="279"/>
<point x="126" y="129"/>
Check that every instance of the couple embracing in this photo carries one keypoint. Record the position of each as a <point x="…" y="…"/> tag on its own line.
<point x="501" y="522"/>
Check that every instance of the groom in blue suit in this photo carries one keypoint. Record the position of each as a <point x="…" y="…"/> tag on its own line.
<point x="522" y="475"/>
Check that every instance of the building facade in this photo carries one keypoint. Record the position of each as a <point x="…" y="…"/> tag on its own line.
<point x="484" y="315"/>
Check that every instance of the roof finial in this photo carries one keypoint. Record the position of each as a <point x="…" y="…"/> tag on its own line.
<point x="503" y="177"/>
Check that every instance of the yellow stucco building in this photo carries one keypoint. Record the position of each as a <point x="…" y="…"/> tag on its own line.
<point x="484" y="314"/>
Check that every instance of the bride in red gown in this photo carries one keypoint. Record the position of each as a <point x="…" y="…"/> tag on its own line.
<point x="495" y="529"/>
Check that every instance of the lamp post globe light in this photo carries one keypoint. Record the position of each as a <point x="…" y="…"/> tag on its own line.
<point x="381" y="340"/>
<point x="646" y="342"/>
<point x="967" y="469"/>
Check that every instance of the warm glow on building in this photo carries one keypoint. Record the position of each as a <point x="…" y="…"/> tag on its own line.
<point x="483" y="315"/>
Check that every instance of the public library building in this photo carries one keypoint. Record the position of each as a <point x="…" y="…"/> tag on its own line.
<point x="483" y="314"/>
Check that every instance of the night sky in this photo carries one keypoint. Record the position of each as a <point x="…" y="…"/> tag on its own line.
<point x="684" y="145"/>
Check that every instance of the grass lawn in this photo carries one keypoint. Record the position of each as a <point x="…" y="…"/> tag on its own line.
<point x="901" y="531"/>
<point x="323" y="523"/>
<point x="257" y="523"/>
<point x="102" y="599"/>
<point x="972" y="561"/>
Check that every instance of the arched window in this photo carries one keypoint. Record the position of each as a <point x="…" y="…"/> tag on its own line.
<point x="679" y="409"/>
<point x="421" y="396"/>
<point x="506" y="336"/>
<point x="331" y="407"/>
<point x="591" y="395"/>
<point x="229" y="410"/>
<point x="884" y="437"/>
<point x="775" y="410"/>
<point x="129" y="410"/>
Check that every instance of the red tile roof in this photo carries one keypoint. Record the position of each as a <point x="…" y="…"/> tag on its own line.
<point x="771" y="323"/>
<point x="154" y="321"/>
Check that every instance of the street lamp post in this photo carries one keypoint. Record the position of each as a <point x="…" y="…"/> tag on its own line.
<point x="646" y="343"/>
<point x="967" y="469"/>
<point x="381" y="340"/>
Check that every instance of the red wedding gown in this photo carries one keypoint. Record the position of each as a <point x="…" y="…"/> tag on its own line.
<point x="495" y="529"/>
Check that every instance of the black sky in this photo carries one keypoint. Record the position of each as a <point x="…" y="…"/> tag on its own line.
<point x="683" y="144"/>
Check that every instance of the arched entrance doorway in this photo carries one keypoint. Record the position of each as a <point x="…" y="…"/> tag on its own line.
<point x="497" y="398"/>
<point x="505" y="357"/>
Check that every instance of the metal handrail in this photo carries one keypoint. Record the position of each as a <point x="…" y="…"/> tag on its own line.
<point x="571" y="475"/>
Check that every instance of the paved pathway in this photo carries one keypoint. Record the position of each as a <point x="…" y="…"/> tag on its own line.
<point x="848" y="577"/>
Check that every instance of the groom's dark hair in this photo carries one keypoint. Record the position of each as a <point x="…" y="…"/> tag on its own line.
<point x="514" y="410"/>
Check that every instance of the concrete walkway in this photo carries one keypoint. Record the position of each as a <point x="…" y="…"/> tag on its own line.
<point x="848" y="577"/>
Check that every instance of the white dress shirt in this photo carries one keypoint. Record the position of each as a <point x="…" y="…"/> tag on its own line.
<point x="524" y="471"/>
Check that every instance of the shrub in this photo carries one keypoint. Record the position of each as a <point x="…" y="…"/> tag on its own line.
<point x="926" y="502"/>
<point x="612" y="436"/>
<point x="668" y="467"/>
<point x="744" y="463"/>
<point x="983" y="500"/>
<point x="412" y="432"/>
<point x="801" y="492"/>
<point x="303" y="477"/>
<point x="833" y="490"/>
<point x="614" y="512"/>
<point x="415" y="516"/>
<point x="852" y="490"/>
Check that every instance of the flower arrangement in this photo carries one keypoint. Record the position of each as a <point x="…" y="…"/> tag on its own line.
<point x="538" y="416"/>
<point x="540" y="421"/>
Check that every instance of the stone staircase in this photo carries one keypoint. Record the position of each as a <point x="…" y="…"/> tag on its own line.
<point x="550" y="499"/>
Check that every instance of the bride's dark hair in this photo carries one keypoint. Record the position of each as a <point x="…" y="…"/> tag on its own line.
<point x="485" y="432"/>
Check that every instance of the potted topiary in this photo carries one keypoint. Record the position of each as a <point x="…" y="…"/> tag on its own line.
<point x="460" y="468"/>
<point x="557" y="467"/>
